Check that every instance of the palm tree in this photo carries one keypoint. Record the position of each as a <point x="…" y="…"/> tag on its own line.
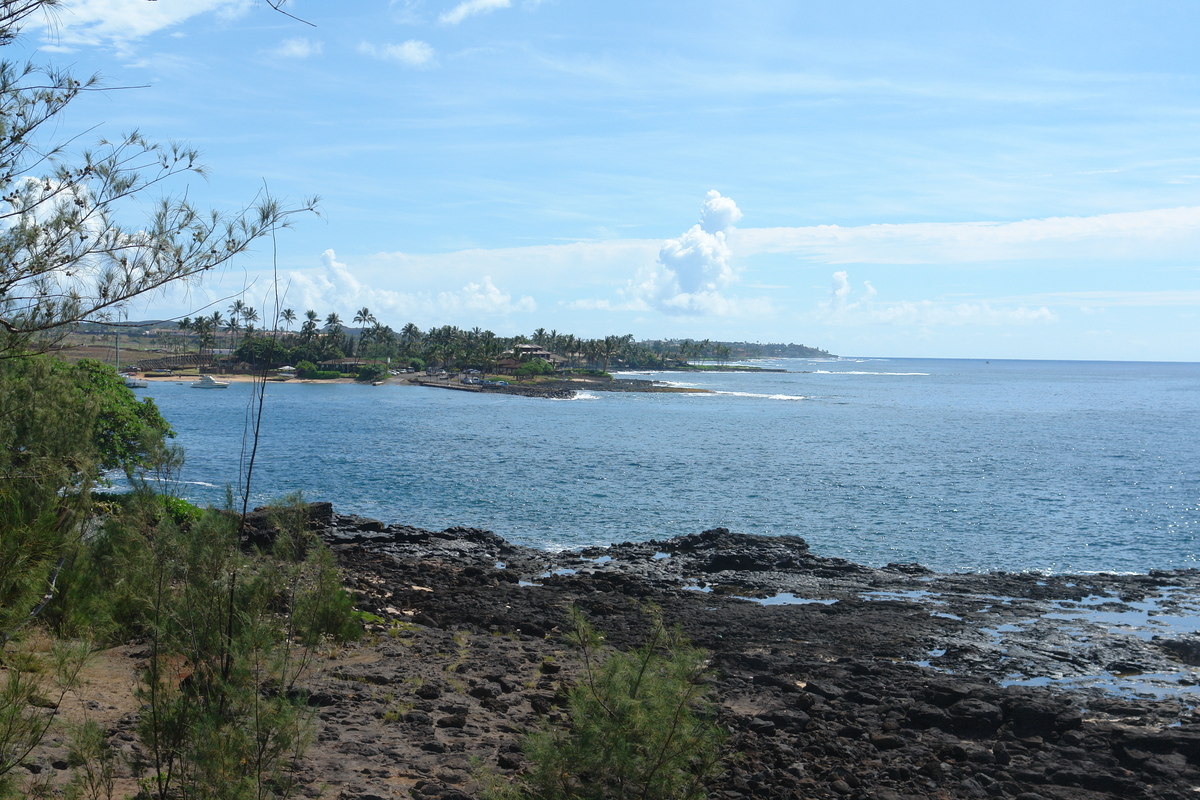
<point x="410" y="337"/>
<point x="288" y="316"/>
<point x="610" y="346"/>
<point x="203" y="328"/>
<point x="364" y="317"/>
<point x="308" y="331"/>
<point x="571" y="345"/>
<point x="215" y="322"/>
<point x="232" y="326"/>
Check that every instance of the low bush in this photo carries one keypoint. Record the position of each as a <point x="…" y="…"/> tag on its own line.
<point x="181" y="512"/>
<point x="371" y="372"/>
<point x="641" y="726"/>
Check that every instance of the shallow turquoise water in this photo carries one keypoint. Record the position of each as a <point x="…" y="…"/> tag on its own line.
<point x="960" y="465"/>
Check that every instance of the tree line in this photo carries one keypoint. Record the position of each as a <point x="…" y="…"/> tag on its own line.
<point x="329" y="338"/>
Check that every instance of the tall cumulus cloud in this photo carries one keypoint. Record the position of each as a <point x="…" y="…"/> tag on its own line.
<point x="692" y="269"/>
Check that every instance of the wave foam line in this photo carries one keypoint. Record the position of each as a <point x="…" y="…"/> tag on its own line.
<point x="859" y="372"/>
<point x="765" y="396"/>
<point x="187" y="483"/>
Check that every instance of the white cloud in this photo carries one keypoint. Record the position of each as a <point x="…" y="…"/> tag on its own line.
<point x="719" y="213"/>
<point x="839" y="308"/>
<point x="568" y="267"/>
<point x="469" y="8"/>
<point x="413" y="52"/>
<point x="336" y="287"/>
<point x="484" y="298"/>
<point x="1156" y="233"/>
<point x="80" y="23"/>
<point x="298" y="48"/>
<point x="694" y="268"/>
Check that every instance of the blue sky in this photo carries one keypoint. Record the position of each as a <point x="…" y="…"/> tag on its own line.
<point x="874" y="178"/>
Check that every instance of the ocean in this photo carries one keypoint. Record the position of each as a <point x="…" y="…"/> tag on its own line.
<point x="960" y="465"/>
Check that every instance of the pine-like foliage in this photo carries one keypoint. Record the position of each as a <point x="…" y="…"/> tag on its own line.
<point x="641" y="725"/>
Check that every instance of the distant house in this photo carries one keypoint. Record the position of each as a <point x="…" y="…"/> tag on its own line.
<point x="527" y="352"/>
<point x="507" y="366"/>
<point x="346" y="366"/>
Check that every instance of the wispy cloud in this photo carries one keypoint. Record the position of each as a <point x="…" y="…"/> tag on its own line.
<point x="338" y="287"/>
<point x="1114" y="299"/>
<point x="413" y="53"/>
<point x="120" y="23"/>
<point x="483" y="297"/>
<point x="298" y="48"/>
<point x="1161" y="232"/>
<point x="469" y="8"/>
<point x="841" y="307"/>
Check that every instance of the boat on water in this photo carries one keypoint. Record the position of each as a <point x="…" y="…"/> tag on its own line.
<point x="209" y="382"/>
<point x="135" y="383"/>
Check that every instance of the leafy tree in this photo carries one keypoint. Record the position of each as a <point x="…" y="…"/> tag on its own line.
<point x="65" y="256"/>
<point x="262" y="351"/>
<point x="535" y="366"/>
<point x="63" y="426"/>
<point x="371" y="372"/>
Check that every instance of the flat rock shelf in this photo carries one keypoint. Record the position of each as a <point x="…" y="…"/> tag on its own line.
<point x="833" y="680"/>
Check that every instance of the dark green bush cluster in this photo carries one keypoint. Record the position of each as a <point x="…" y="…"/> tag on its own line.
<point x="307" y="369"/>
<point x="535" y="366"/>
<point x="371" y="372"/>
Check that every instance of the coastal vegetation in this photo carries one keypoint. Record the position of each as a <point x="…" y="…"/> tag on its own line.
<point x="237" y="340"/>
<point x="640" y="725"/>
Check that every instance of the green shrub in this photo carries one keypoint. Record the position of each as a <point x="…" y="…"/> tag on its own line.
<point x="305" y="369"/>
<point x="536" y="366"/>
<point x="371" y="372"/>
<point x="640" y="726"/>
<point x="181" y="512"/>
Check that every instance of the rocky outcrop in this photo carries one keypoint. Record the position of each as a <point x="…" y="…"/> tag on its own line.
<point x="867" y="683"/>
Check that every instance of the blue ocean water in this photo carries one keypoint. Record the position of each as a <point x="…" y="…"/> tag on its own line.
<point x="960" y="465"/>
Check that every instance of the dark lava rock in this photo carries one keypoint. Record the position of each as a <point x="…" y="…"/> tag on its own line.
<point x="889" y="688"/>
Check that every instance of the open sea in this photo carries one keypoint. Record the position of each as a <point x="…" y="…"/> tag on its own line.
<point x="961" y="465"/>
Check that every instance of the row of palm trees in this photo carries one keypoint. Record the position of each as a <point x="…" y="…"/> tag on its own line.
<point x="445" y="345"/>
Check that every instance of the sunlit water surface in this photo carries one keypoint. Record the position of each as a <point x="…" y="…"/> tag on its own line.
<point x="959" y="465"/>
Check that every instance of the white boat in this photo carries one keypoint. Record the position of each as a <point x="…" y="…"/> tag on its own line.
<point x="135" y="383"/>
<point x="208" y="382"/>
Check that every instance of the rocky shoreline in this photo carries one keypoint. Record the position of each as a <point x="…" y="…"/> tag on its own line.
<point x="833" y="679"/>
